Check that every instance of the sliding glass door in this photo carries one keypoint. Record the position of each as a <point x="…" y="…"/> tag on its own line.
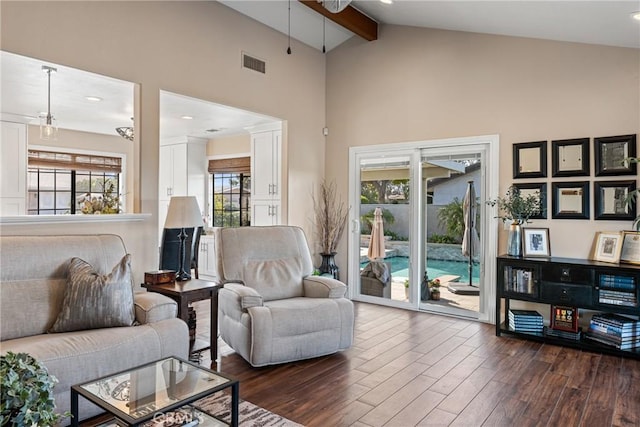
<point x="412" y="206"/>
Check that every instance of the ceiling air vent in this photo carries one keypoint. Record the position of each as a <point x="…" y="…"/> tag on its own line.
<point x="253" y="63"/>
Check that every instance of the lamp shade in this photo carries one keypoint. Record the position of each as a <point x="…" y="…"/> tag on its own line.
<point x="183" y="212"/>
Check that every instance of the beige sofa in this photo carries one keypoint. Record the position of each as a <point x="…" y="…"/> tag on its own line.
<point x="32" y="283"/>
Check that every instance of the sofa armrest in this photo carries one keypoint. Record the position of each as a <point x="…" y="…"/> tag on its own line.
<point x="323" y="287"/>
<point x="247" y="297"/>
<point x="153" y="307"/>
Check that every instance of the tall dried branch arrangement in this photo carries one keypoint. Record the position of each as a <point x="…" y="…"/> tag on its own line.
<point x="331" y="217"/>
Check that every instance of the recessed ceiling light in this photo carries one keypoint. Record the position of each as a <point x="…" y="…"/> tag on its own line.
<point x="93" y="98"/>
<point x="636" y="15"/>
<point x="187" y="117"/>
<point x="386" y="1"/>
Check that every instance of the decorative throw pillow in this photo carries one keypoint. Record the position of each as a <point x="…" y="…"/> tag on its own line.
<point x="92" y="300"/>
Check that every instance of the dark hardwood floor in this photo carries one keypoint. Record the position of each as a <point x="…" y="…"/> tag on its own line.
<point x="408" y="368"/>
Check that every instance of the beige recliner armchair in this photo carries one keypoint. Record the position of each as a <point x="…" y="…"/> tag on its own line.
<point x="271" y="309"/>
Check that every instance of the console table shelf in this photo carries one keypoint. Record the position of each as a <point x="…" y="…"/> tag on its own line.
<point x="591" y="287"/>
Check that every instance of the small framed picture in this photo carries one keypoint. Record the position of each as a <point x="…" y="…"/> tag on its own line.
<point x="570" y="157"/>
<point x="611" y="200"/>
<point x="535" y="242"/>
<point x="611" y="152"/>
<point x="607" y="246"/>
<point x="530" y="159"/>
<point x="564" y="318"/>
<point x="630" y="247"/>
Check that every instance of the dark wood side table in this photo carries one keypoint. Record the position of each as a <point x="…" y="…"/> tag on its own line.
<point x="189" y="291"/>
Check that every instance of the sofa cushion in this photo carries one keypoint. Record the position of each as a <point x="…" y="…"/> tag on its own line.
<point x="92" y="300"/>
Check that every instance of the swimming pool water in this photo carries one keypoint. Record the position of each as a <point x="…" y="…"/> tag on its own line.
<point x="435" y="268"/>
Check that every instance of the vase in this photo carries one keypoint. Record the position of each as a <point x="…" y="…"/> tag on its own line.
<point x="329" y="266"/>
<point x="514" y="241"/>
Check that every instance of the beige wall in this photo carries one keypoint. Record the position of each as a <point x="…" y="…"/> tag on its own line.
<point x="189" y="48"/>
<point x="94" y="142"/>
<point x="231" y="145"/>
<point x="416" y="84"/>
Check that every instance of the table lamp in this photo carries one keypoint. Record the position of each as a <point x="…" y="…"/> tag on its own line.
<point x="183" y="212"/>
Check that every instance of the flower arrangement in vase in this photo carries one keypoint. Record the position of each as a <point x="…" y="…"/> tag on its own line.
<point x="330" y="221"/>
<point x="518" y="209"/>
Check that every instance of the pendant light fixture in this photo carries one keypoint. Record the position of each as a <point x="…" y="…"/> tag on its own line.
<point x="48" y="126"/>
<point x="289" y="30"/>
<point x="324" y="49"/>
<point x="126" y="131"/>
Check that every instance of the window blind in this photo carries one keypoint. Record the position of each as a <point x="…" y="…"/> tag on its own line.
<point x="235" y="165"/>
<point x="73" y="161"/>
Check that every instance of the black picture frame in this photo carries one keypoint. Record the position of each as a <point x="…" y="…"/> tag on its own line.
<point x="570" y="157"/>
<point x="610" y="200"/>
<point x="540" y="187"/>
<point x="610" y="152"/>
<point x="564" y="200"/>
<point x="530" y="160"/>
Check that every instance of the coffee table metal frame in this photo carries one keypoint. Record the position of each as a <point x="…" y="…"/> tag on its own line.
<point x="78" y="390"/>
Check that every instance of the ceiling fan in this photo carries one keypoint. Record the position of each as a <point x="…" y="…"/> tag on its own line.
<point x="335" y="6"/>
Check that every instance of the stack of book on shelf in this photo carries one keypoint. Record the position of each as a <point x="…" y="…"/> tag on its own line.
<point x="615" y="330"/>
<point x="617" y="290"/>
<point x="529" y="321"/>
<point x="563" y="334"/>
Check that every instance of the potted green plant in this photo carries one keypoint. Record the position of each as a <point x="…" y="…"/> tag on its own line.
<point x="26" y="392"/>
<point x="517" y="209"/>
<point x="330" y="221"/>
<point x="434" y="289"/>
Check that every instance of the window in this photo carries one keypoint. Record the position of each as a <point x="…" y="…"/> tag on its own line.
<point x="231" y="199"/>
<point x="68" y="183"/>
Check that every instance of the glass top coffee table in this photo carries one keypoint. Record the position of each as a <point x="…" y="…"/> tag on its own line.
<point x="155" y="391"/>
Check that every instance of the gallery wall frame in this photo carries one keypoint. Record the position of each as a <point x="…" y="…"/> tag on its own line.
<point x="570" y="157"/>
<point x="532" y="187"/>
<point x="570" y="200"/>
<point x="610" y="153"/>
<point x="530" y="160"/>
<point x="610" y="200"/>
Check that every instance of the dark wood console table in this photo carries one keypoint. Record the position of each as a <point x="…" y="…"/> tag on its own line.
<point x="189" y="291"/>
<point x="588" y="286"/>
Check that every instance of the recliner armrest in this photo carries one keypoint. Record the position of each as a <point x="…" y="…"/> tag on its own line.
<point x="323" y="287"/>
<point x="152" y="307"/>
<point x="248" y="297"/>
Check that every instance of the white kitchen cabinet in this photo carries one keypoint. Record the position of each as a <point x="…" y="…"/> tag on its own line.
<point x="265" y="212"/>
<point x="266" y="173"/>
<point x="207" y="258"/>
<point x="182" y="172"/>
<point x="13" y="168"/>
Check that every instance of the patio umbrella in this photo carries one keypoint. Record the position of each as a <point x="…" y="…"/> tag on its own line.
<point x="470" y="240"/>
<point x="376" y="243"/>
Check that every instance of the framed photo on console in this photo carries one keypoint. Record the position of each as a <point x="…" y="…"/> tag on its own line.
<point x="630" y="247"/>
<point x="611" y="152"/>
<point x="611" y="200"/>
<point x="607" y="246"/>
<point x="530" y="159"/>
<point x="570" y="157"/>
<point x="535" y="242"/>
